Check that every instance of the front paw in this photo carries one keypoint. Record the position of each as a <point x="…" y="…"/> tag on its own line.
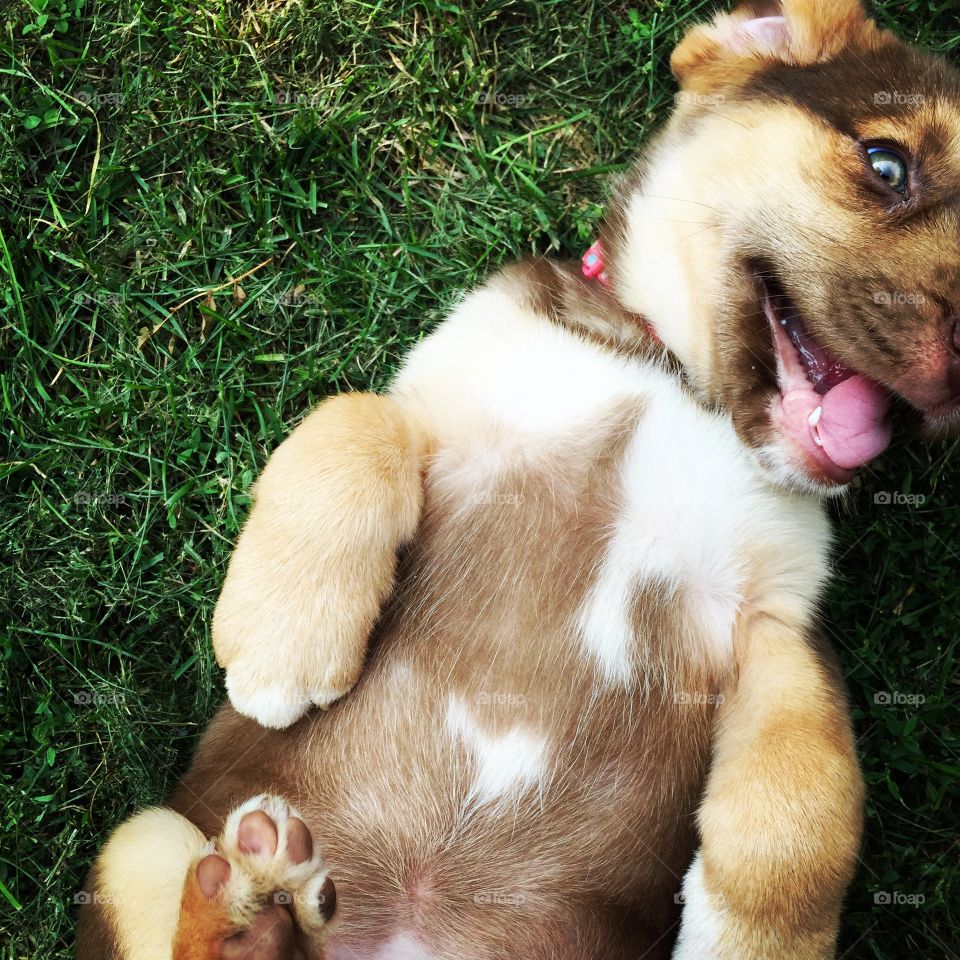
<point x="288" y="642"/>
<point x="274" y="685"/>
<point x="260" y="891"/>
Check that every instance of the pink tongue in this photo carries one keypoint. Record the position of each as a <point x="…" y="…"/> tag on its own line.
<point x="853" y="425"/>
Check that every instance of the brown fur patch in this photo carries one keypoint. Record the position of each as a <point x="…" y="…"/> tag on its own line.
<point x="204" y="924"/>
<point x="560" y="292"/>
<point x="96" y="934"/>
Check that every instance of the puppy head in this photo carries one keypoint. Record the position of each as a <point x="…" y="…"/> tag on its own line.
<point x="794" y="234"/>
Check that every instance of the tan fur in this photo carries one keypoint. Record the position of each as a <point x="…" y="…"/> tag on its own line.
<point x="720" y="55"/>
<point x="142" y="871"/>
<point x="696" y="195"/>
<point x="780" y="854"/>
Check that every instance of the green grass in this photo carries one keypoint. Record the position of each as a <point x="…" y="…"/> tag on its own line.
<point x="339" y="157"/>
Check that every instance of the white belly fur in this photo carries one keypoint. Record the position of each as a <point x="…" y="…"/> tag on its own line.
<point x="499" y="385"/>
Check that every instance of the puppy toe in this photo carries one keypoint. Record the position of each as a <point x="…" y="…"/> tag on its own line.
<point x="257" y="834"/>
<point x="213" y="873"/>
<point x="299" y="841"/>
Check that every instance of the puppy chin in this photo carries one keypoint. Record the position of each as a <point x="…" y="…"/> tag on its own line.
<point x="783" y="466"/>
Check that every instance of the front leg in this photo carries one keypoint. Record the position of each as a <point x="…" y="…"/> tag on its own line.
<point x="317" y="557"/>
<point x="782" y="815"/>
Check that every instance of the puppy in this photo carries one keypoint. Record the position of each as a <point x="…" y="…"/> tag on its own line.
<point x="587" y="713"/>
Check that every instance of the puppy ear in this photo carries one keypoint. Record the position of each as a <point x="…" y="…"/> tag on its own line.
<point x="762" y="31"/>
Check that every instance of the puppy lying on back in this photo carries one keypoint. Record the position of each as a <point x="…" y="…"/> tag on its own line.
<point x="591" y="700"/>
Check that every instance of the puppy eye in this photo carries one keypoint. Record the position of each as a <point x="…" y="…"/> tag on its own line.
<point x="890" y="167"/>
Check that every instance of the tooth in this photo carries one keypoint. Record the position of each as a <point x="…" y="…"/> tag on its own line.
<point x="813" y="420"/>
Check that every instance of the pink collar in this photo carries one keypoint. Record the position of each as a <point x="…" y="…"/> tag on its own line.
<point x="592" y="266"/>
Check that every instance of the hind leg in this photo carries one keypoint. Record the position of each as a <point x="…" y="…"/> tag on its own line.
<point x="258" y="891"/>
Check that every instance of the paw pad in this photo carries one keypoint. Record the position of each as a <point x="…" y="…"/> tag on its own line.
<point x="266" y="872"/>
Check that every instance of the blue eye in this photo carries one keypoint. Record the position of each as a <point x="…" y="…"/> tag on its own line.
<point x="890" y="167"/>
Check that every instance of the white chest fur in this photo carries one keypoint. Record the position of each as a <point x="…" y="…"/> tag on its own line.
<point x="499" y="385"/>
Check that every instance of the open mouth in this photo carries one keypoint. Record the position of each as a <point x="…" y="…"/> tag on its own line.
<point x="838" y="418"/>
